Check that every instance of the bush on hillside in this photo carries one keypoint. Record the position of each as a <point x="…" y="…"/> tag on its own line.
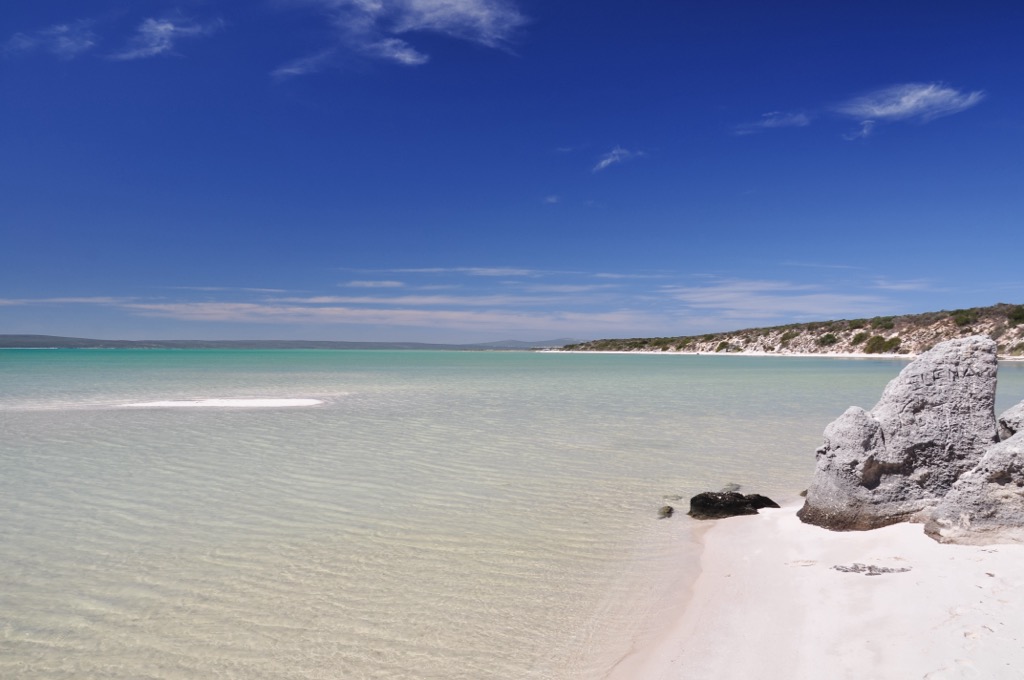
<point x="878" y="345"/>
<point x="964" y="317"/>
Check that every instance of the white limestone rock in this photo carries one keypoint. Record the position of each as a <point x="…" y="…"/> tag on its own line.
<point x="933" y="424"/>
<point x="986" y="505"/>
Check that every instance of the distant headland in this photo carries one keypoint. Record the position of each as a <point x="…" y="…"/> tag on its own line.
<point x="906" y="334"/>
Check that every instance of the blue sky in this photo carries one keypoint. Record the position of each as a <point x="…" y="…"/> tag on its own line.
<point x="474" y="170"/>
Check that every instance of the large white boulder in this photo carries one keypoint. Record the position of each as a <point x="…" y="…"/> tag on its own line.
<point x="932" y="424"/>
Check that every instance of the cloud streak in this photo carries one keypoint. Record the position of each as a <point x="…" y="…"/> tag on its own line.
<point x="485" y="321"/>
<point x="380" y="29"/>
<point x="66" y="41"/>
<point x="373" y="284"/>
<point x="774" y="120"/>
<point x="473" y="271"/>
<point x="760" y="299"/>
<point x="520" y="302"/>
<point x="917" y="102"/>
<point x="912" y="101"/>
<point x="154" y="37"/>
<point x="614" y="157"/>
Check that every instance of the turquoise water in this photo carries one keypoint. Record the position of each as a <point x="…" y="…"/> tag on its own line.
<point x="438" y="515"/>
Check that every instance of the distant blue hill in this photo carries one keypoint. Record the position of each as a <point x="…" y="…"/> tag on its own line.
<point x="59" y="342"/>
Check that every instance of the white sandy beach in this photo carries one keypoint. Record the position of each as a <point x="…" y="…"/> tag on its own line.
<point x="770" y="604"/>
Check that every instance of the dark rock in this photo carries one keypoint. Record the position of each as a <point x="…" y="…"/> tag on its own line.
<point x="933" y="424"/>
<point x="716" y="505"/>
<point x="665" y="512"/>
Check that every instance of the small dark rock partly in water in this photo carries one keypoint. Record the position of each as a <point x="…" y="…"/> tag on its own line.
<point x="712" y="505"/>
<point x="665" y="512"/>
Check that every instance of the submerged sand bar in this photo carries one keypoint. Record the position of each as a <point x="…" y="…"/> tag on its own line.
<point x="227" y="403"/>
<point x="770" y="603"/>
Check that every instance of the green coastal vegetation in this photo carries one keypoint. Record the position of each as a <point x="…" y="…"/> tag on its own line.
<point x="903" y="334"/>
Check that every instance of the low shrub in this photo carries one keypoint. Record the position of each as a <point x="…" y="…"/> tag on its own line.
<point x="787" y="336"/>
<point x="877" y="344"/>
<point x="859" y="338"/>
<point x="964" y="317"/>
<point x="827" y="340"/>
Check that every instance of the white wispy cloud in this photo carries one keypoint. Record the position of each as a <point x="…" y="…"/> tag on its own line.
<point x="620" y="275"/>
<point x="424" y="300"/>
<point x="221" y="289"/>
<point x="66" y="41"/>
<point x="909" y="285"/>
<point x="472" y="271"/>
<point x="380" y="28"/>
<point x="919" y="102"/>
<point x="764" y="299"/>
<point x="373" y="284"/>
<point x="397" y="50"/>
<point x="564" y="288"/>
<point x="159" y="36"/>
<point x="97" y="300"/>
<point x="819" y="265"/>
<point x="774" y="120"/>
<point x="551" y="200"/>
<point x="863" y="132"/>
<point x="483" y="321"/>
<point x="615" y="156"/>
<point x="308" y="64"/>
<point x="910" y="101"/>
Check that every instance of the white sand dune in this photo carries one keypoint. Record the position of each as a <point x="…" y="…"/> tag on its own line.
<point x="769" y="603"/>
<point x="227" y="403"/>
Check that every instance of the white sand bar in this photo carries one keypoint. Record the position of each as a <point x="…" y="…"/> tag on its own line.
<point x="227" y="403"/>
<point x="769" y="604"/>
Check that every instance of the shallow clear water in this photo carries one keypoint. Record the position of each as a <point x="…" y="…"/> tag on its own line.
<point x="439" y="515"/>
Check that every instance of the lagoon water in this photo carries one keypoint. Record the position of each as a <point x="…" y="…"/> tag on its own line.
<point x="456" y="515"/>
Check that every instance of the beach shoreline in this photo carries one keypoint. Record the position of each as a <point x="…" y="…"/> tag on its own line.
<point x="776" y="598"/>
